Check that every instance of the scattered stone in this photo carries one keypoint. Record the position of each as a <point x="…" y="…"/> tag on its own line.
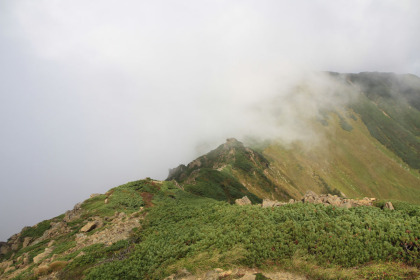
<point x="15" y="246"/>
<point x="26" y="241"/>
<point x="225" y="274"/>
<point x="346" y="205"/>
<point x="118" y="228"/>
<point x="25" y="258"/>
<point x="6" y="264"/>
<point x="10" y="268"/>
<point x="181" y="274"/>
<point x="326" y="199"/>
<point x="389" y="205"/>
<point x="311" y="197"/>
<point x="73" y="214"/>
<point x="43" y="255"/>
<point x="94" y="195"/>
<point x="4" y="248"/>
<point x="89" y="226"/>
<point x="271" y="203"/>
<point x="106" y="201"/>
<point x="248" y="276"/>
<point x="243" y="201"/>
<point x="212" y="275"/>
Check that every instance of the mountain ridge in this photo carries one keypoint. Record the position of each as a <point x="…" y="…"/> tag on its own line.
<point x="189" y="225"/>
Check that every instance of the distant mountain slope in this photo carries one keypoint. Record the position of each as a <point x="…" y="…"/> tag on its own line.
<point x="390" y="108"/>
<point x="370" y="147"/>
<point x="227" y="173"/>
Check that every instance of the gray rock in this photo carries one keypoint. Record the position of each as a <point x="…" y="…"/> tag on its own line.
<point x="73" y="214"/>
<point x="311" y="197"/>
<point x="271" y="203"/>
<point x="26" y="242"/>
<point x="4" y="248"/>
<point x="389" y="205"/>
<point x="243" y="201"/>
<point x="43" y="255"/>
<point x="89" y="226"/>
<point x="346" y="205"/>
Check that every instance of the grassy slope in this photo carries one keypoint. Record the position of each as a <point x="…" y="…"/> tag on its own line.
<point x="351" y="161"/>
<point x="187" y="231"/>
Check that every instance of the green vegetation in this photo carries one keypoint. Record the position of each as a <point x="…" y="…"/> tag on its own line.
<point x="384" y="128"/>
<point x="390" y="111"/>
<point x="199" y="233"/>
<point x="220" y="186"/>
<point x="36" y="231"/>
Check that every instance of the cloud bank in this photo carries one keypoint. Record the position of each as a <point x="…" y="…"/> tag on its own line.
<point x="97" y="93"/>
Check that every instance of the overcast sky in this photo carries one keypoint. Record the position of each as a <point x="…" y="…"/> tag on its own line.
<point x="97" y="93"/>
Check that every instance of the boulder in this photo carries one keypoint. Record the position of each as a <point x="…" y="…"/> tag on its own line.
<point x="333" y="200"/>
<point x="89" y="226"/>
<point x="311" y="197"/>
<point x="94" y="195"/>
<point x="243" y="201"/>
<point x="389" y="205"/>
<point x="43" y="255"/>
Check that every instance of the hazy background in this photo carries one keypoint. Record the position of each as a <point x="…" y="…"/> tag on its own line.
<point x="94" y="94"/>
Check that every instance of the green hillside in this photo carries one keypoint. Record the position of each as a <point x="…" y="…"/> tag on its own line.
<point x="191" y="226"/>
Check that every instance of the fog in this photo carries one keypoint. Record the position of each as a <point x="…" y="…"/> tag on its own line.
<point x="94" y="94"/>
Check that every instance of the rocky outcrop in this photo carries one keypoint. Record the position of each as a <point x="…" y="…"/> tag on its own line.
<point x="326" y="199"/>
<point x="74" y="213"/>
<point x="271" y="203"/>
<point x="4" y="248"/>
<point x="43" y="255"/>
<point x="26" y="241"/>
<point x="334" y="200"/>
<point x="243" y="201"/>
<point x="89" y="226"/>
<point x="119" y="227"/>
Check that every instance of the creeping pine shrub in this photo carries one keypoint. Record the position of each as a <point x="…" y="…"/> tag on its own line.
<point x="126" y="198"/>
<point x="180" y="231"/>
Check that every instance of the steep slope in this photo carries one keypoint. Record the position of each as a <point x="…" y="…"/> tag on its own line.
<point x="153" y="230"/>
<point x="390" y="108"/>
<point x="227" y="173"/>
<point x="347" y="162"/>
<point x="352" y="162"/>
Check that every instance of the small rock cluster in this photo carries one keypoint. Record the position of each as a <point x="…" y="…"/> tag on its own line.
<point x="312" y="197"/>
<point x="334" y="200"/>
<point x="236" y="273"/>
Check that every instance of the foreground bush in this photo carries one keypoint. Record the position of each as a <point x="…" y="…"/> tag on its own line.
<point x="199" y="233"/>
